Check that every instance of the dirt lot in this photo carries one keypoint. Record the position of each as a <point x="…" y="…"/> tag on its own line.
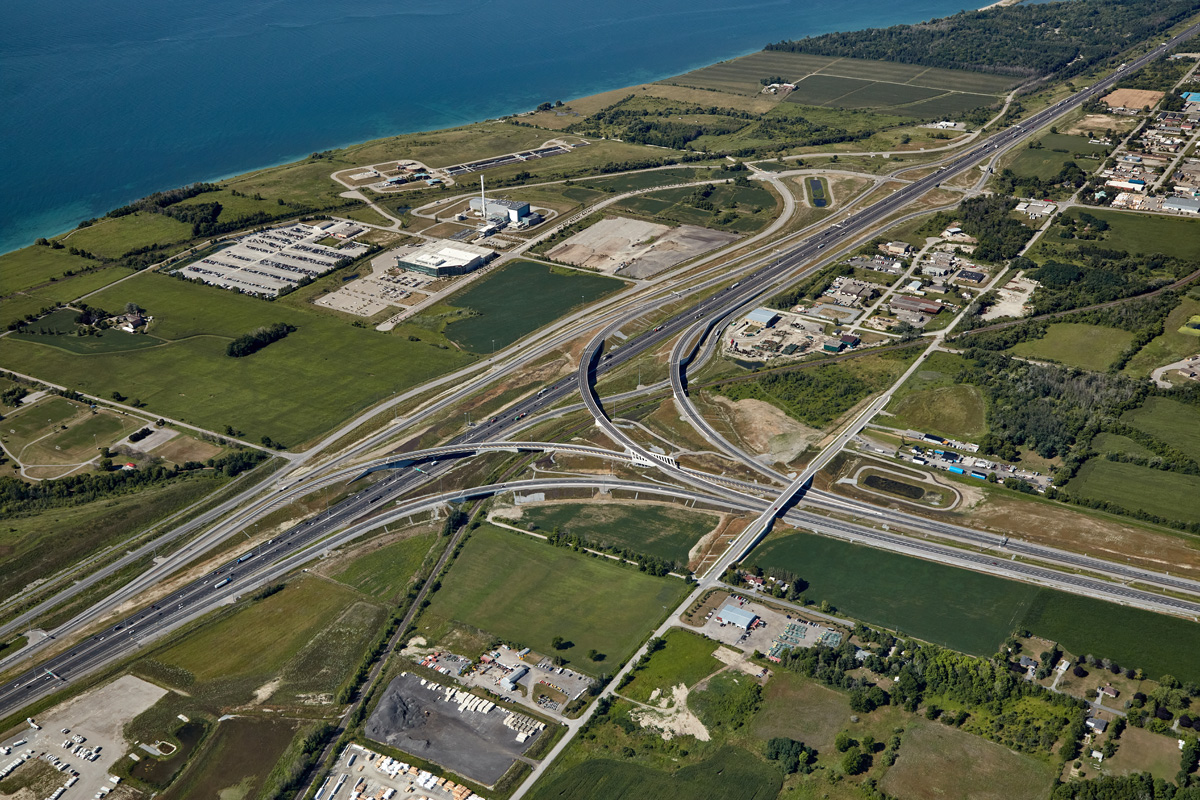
<point x="768" y="430"/>
<point x="636" y="249"/>
<point x="1131" y="98"/>
<point x="415" y="719"/>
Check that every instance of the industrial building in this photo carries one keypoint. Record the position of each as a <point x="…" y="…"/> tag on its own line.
<point x="508" y="210"/>
<point x="510" y="682"/>
<point x="739" y="617"/>
<point x="763" y="317"/>
<point x="445" y="259"/>
<point x="914" y="304"/>
<point x="1186" y="205"/>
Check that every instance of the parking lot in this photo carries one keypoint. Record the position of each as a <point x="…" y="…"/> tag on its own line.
<point x="372" y="776"/>
<point x="503" y="662"/>
<point x="93" y="723"/>
<point x="385" y="287"/>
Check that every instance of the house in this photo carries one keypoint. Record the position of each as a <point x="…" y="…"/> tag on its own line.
<point x="1096" y="724"/>
<point x="1110" y="691"/>
<point x="1027" y="662"/>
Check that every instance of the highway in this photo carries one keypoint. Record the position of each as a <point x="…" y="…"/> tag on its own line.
<point x="288" y="551"/>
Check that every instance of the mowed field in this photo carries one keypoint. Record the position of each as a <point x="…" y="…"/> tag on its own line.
<point x="518" y="299"/>
<point x="1167" y="494"/>
<point x="523" y="590"/>
<point x="291" y="390"/>
<point x="895" y="88"/>
<point x="666" y="532"/>
<point x="1090" y="347"/>
<point x="937" y="761"/>
<point x="1056" y="150"/>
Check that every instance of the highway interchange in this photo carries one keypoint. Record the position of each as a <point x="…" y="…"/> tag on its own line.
<point x="692" y="327"/>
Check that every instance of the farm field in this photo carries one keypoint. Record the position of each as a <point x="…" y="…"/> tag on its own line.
<point x="937" y="761"/>
<point x="1138" y="234"/>
<point x="685" y="658"/>
<point x="832" y="78"/>
<point x="741" y="209"/>
<point x="316" y="377"/>
<point x="956" y="608"/>
<point x="27" y="550"/>
<point x="385" y="573"/>
<point x="731" y="774"/>
<point x="1105" y="442"/>
<point x="666" y="532"/>
<point x="235" y="760"/>
<point x="1168" y="421"/>
<point x="1057" y="150"/>
<point x="516" y="588"/>
<point x="1173" y="345"/>
<point x="1168" y="494"/>
<point x="517" y="300"/>
<point x="223" y="662"/>
<point x="1089" y="347"/>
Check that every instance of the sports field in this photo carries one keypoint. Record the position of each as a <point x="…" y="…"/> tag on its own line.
<point x="731" y="774"/>
<point x="895" y="88"/>
<point x="518" y="299"/>
<point x="666" y="532"/>
<point x="1090" y="347"/>
<point x="291" y="391"/>
<point x="972" y="612"/>
<point x="523" y="590"/>
<point x="1169" y="421"/>
<point x="1167" y="494"/>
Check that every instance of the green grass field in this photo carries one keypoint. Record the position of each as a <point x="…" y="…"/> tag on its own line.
<point x="113" y="238"/>
<point x="957" y="411"/>
<point x="328" y="659"/>
<point x="33" y="421"/>
<point x="1169" y="421"/>
<point x="257" y="641"/>
<point x="386" y="572"/>
<point x="1167" y="494"/>
<point x="665" y="532"/>
<point x="964" y="610"/>
<point x="1173" y="345"/>
<point x="940" y="761"/>
<point x="35" y="266"/>
<point x="315" y="378"/>
<point x="30" y="544"/>
<point x="1089" y="347"/>
<point x="685" y="658"/>
<point x="522" y="590"/>
<point x="518" y="299"/>
<point x="1138" y="234"/>
<point x="235" y="760"/>
<point x="1114" y="443"/>
<point x="58" y="329"/>
<point x="645" y="180"/>
<point x="741" y="209"/>
<point x="731" y="774"/>
<point x="972" y="612"/>
<point x="82" y="439"/>
<point x="1057" y="149"/>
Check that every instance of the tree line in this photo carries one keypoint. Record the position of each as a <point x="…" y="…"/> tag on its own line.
<point x="250" y="343"/>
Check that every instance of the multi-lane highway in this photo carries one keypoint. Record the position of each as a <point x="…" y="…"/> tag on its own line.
<point x="287" y="551"/>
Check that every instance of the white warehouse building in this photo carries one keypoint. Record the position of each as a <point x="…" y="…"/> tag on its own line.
<point x="511" y="210"/>
<point x="445" y="259"/>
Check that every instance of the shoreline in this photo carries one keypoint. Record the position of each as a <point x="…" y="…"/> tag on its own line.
<point x="590" y="91"/>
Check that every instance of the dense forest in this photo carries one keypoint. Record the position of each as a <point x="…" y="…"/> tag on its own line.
<point x="988" y="219"/>
<point x="1025" y="40"/>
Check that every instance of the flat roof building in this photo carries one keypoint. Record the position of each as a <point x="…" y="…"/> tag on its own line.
<point x="917" y="304"/>
<point x="1187" y="205"/>
<point x="740" y="617"/>
<point x="765" y="317"/>
<point x="511" y="210"/>
<point x="445" y="259"/>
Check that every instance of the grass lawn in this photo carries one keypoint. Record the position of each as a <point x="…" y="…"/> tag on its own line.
<point x="58" y="329"/>
<point x="1139" y="234"/>
<point x="938" y="762"/>
<point x="957" y="608"/>
<point x="33" y="421"/>
<point x="731" y="774"/>
<point x="1139" y="750"/>
<point x="258" y="640"/>
<point x="1172" y="346"/>
<point x="522" y="590"/>
<point x="1167" y="494"/>
<point x="1169" y="421"/>
<point x="315" y="378"/>
<point x="666" y="532"/>
<point x="518" y="299"/>
<point x="685" y="658"/>
<point x="386" y="572"/>
<point x="82" y="439"/>
<point x="235" y="760"/>
<point x="1086" y="346"/>
<point x="1057" y="149"/>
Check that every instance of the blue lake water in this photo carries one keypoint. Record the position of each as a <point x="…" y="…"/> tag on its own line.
<point x="107" y="102"/>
